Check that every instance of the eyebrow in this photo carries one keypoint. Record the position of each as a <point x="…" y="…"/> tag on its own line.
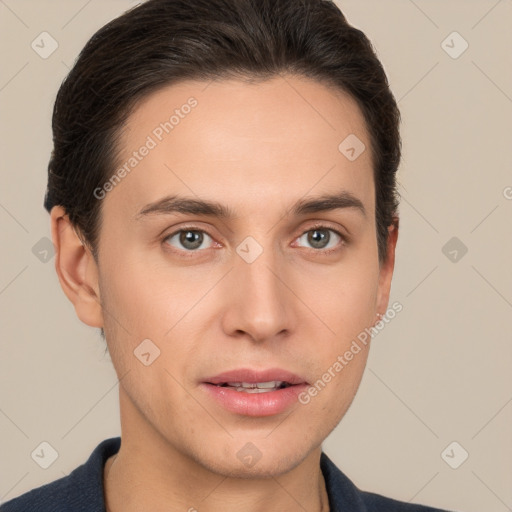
<point x="181" y="204"/>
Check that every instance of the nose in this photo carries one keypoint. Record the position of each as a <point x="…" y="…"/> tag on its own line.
<point x="260" y="304"/>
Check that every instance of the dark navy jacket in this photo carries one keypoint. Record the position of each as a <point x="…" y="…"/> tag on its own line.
<point x="82" y="490"/>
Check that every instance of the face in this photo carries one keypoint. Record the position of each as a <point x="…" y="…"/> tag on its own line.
<point x="273" y="291"/>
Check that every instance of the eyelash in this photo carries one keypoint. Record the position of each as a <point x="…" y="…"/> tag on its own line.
<point x="319" y="226"/>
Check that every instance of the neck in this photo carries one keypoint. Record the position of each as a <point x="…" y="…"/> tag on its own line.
<point x="149" y="473"/>
<point x="127" y="490"/>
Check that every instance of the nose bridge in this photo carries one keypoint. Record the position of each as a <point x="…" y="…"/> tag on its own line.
<point x="260" y="275"/>
<point x="260" y="301"/>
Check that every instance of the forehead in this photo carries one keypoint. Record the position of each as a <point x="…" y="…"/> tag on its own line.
<point x="234" y="139"/>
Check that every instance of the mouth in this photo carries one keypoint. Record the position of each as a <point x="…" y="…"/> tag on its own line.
<point x="244" y="379"/>
<point x="250" y="392"/>
<point x="257" y="387"/>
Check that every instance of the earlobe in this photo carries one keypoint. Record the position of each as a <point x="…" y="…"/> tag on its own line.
<point x="387" y="267"/>
<point x="76" y="269"/>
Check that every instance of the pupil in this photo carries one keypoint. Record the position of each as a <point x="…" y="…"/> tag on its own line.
<point x="324" y="237"/>
<point x="191" y="239"/>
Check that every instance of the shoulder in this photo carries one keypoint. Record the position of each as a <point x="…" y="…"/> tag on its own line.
<point x="80" y="491"/>
<point x="344" y="496"/>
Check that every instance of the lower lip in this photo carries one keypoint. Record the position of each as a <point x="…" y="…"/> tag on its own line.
<point x="255" y="404"/>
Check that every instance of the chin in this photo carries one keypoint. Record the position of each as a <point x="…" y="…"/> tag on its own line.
<point x="249" y="462"/>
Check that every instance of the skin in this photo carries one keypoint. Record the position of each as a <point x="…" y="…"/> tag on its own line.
<point x="256" y="148"/>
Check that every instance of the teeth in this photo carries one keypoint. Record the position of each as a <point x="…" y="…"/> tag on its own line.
<point x="255" y="390"/>
<point x="257" y="387"/>
<point x="269" y="385"/>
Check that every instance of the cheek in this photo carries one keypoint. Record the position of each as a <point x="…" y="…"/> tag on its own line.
<point x="336" y="380"/>
<point x="345" y="302"/>
<point x="143" y="301"/>
<point x="344" y="299"/>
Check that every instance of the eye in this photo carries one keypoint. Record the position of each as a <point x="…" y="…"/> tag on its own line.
<point x="319" y="237"/>
<point x="188" y="239"/>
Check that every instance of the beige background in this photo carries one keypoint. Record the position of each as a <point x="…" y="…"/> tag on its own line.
<point x="439" y="372"/>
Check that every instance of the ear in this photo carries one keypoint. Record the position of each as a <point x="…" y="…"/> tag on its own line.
<point x="386" y="268"/>
<point x="76" y="269"/>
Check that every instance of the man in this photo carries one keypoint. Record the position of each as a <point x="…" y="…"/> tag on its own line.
<point x="223" y="206"/>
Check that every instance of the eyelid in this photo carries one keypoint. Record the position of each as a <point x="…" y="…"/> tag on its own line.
<point x="188" y="227"/>
<point x="327" y="225"/>
<point x="345" y="239"/>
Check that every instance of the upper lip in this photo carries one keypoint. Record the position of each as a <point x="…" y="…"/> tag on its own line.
<point x="254" y="376"/>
